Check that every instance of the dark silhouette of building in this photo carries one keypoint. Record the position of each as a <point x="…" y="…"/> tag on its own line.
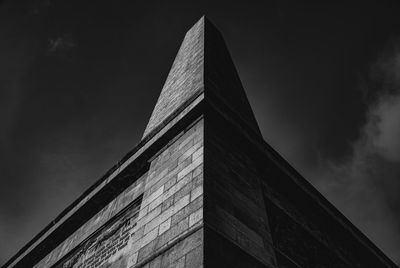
<point x="201" y="189"/>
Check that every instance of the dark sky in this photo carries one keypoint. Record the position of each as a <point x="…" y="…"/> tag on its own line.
<point x="79" y="79"/>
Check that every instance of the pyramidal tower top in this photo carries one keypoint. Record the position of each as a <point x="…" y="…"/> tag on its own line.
<point x="203" y="64"/>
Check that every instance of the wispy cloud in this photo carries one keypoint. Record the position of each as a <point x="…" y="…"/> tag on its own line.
<point x="365" y="186"/>
<point x="61" y="44"/>
<point x="383" y="129"/>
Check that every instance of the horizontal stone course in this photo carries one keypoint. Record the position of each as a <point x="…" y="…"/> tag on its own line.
<point x="194" y="259"/>
<point x="172" y="233"/>
<point x="171" y="207"/>
<point x="164" y="226"/>
<point x="196" y="193"/>
<point x="195" y="217"/>
<point x="182" y="248"/>
<point x="187" y="210"/>
<point x="167" y="214"/>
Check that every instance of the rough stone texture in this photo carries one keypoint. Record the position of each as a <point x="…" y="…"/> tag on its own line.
<point x="171" y="202"/>
<point x="185" y="77"/>
<point x="203" y="63"/>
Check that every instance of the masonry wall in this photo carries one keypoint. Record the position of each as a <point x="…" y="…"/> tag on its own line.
<point x="171" y="220"/>
<point x="305" y="235"/>
<point x="156" y="222"/>
<point x="235" y="214"/>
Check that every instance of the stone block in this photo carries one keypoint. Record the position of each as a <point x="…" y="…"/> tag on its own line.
<point x="187" y="210"/>
<point x="147" y="238"/>
<point x="147" y="200"/>
<point x="155" y="203"/>
<point x="149" y="216"/>
<point x="164" y="226"/>
<point x="178" y="264"/>
<point x="167" y="203"/>
<point x="194" y="259"/>
<point x="171" y="181"/>
<point x="173" y="232"/>
<point x="196" y="193"/>
<point x="146" y="251"/>
<point x="195" y="217"/>
<point x="156" y="263"/>
<point x="132" y="260"/>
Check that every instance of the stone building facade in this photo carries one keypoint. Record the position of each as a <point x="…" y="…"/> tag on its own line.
<point x="201" y="189"/>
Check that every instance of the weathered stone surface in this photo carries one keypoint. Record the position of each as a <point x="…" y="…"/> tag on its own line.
<point x="195" y="258"/>
<point x="203" y="63"/>
<point x="185" y="77"/>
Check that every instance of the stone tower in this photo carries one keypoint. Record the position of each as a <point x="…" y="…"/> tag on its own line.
<point x="201" y="189"/>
